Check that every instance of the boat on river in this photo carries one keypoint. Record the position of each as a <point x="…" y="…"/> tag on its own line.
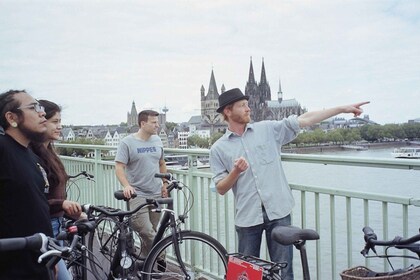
<point x="354" y="147"/>
<point x="406" y="152"/>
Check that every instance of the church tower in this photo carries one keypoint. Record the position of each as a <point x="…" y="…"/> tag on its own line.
<point x="251" y="90"/>
<point x="263" y="86"/>
<point x="209" y="104"/>
<point x="258" y="94"/>
<point x="132" y="117"/>
<point x="280" y="93"/>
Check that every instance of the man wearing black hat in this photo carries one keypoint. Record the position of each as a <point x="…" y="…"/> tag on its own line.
<point x="246" y="159"/>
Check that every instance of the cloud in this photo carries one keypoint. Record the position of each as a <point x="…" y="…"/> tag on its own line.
<point x="97" y="57"/>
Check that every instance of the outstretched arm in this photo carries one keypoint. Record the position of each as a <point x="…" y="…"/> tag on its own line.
<point x="311" y="118"/>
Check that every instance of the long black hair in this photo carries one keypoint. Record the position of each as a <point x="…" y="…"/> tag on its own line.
<point x="50" y="161"/>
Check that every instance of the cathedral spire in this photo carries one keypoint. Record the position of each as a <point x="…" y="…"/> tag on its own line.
<point x="212" y="93"/>
<point x="263" y="79"/>
<point x="263" y="86"/>
<point x="280" y="93"/>
<point x="251" y="77"/>
<point x="133" y="108"/>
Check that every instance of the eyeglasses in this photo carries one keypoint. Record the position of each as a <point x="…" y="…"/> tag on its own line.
<point x="38" y="108"/>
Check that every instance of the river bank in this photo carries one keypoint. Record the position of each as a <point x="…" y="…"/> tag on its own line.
<point x="332" y="148"/>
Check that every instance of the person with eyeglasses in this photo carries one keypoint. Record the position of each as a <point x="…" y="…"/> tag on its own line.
<point x="24" y="207"/>
<point x="57" y="176"/>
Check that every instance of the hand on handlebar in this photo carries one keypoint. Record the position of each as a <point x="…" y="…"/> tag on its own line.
<point x="164" y="191"/>
<point x="72" y="209"/>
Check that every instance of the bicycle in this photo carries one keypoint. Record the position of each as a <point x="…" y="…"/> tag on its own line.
<point x="266" y="270"/>
<point x="408" y="273"/>
<point x="72" y="189"/>
<point x="169" y="256"/>
<point x="76" y="262"/>
<point x="51" y="251"/>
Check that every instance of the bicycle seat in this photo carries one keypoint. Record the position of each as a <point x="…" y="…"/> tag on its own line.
<point x="288" y="235"/>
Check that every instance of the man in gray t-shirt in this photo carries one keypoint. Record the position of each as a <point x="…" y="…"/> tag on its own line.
<point x="139" y="157"/>
<point x="246" y="160"/>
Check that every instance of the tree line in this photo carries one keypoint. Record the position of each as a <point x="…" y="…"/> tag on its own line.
<point x="369" y="132"/>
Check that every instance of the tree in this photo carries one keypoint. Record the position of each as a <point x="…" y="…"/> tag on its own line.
<point x="412" y="130"/>
<point x="198" y="141"/>
<point x="79" y="152"/>
<point x="170" y="125"/>
<point x="215" y="137"/>
<point x="371" y="132"/>
<point x="335" y="136"/>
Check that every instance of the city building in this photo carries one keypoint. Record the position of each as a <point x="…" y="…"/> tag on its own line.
<point x="262" y="107"/>
<point x="132" y="116"/>
<point x="210" y="119"/>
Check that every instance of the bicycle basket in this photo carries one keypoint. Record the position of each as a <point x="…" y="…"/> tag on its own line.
<point x="364" y="273"/>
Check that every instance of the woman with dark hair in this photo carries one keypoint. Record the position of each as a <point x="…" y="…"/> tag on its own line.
<point x="57" y="176"/>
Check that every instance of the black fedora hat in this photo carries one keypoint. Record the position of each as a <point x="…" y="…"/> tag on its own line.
<point x="229" y="97"/>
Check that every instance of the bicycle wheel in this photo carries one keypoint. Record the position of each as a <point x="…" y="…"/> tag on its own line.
<point x="105" y="256"/>
<point x="74" y="266"/>
<point x="203" y="256"/>
<point x="102" y="245"/>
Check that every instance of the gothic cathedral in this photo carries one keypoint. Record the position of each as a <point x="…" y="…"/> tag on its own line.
<point x="260" y="103"/>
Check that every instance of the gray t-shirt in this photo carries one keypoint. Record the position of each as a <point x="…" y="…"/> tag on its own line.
<point x="264" y="182"/>
<point x="142" y="162"/>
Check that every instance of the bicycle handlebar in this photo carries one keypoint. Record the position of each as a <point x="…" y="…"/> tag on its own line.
<point x="83" y="173"/>
<point x="173" y="183"/>
<point x="117" y="213"/>
<point x="371" y="241"/>
<point x="37" y="242"/>
<point x="167" y="176"/>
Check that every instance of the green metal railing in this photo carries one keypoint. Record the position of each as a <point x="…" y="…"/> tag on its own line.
<point x="338" y="215"/>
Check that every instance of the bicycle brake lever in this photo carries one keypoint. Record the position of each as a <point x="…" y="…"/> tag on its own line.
<point x="182" y="218"/>
<point x="48" y="254"/>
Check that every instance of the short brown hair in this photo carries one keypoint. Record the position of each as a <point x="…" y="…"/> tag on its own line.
<point x="144" y="115"/>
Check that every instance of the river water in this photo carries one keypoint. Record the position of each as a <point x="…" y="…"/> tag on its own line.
<point x="382" y="181"/>
<point x="375" y="180"/>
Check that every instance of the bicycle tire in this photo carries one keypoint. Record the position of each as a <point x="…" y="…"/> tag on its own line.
<point x="75" y="269"/>
<point x="102" y="244"/>
<point x="104" y="257"/>
<point x="210" y="256"/>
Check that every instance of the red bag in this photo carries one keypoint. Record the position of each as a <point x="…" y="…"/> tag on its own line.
<point x="239" y="269"/>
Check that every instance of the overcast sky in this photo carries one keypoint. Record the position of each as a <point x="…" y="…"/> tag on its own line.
<point x="96" y="57"/>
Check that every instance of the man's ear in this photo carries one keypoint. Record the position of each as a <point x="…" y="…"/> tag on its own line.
<point x="227" y="111"/>
<point x="11" y="118"/>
